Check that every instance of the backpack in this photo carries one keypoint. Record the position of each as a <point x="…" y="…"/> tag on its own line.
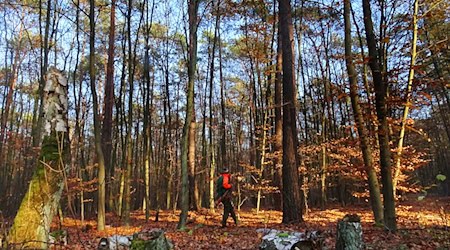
<point x="219" y="187"/>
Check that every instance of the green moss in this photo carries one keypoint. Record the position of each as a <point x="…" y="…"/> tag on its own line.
<point x="49" y="151"/>
<point x="58" y="234"/>
<point x="138" y="244"/>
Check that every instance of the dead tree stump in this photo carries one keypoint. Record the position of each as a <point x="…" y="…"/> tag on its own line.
<point x="349" y="233"/>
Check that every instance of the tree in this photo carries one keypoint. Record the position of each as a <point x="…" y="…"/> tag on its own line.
<point x="31" y="226"/>
<point x="188" y="137"/>
<point x="97" y="122"/>
<point x="109" y="100"/>
<point x="374" y="187"/>
<point x="12" y="85"/>
<point x="148" y="94"/>
<point x="37" y="130"/>
<point x="292" y="209"/>
<point x="381" y="85"/>
<point x="397" y="167"/>
<point x="129" y="141"/>
<point x="278" y="144"/>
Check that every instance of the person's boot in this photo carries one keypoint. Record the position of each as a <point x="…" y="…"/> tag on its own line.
<point x="236" y="221"/>
<point x="224" y="223"/>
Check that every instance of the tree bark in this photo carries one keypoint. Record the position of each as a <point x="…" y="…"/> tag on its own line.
<point x="349" y="233"/>
<point x="292" y="209"/>
<point x="147" y="131"/>
<point x="97" y="122"/>
<point x="193" y="188"/>
<point x="278" y="144"/>
<point x="109" y="99"/>
<point x="381" y="85"/>
<point x="374" y="187"/>
<point x="186" y="138"/>
<point x="221" y="154"/>
<point x="37" y="129"/>
<point x="397" y="168"/>
<point x="31" y="226"/>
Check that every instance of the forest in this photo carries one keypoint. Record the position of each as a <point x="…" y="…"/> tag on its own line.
<point x="117" y="117"/>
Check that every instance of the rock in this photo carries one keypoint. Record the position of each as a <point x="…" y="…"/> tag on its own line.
<point x="119" y="242"/>
<point x="154" y="239"/>
<point x="283" y="240"/>
<point x="103" y="244"/>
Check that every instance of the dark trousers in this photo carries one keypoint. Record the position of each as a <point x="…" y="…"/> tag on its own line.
<point x="227" y="210"/>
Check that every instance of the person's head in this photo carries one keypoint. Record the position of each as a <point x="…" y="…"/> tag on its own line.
<point x="225" y="170"/>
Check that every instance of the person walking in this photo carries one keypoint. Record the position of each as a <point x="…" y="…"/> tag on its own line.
<point x="224" y="194"/>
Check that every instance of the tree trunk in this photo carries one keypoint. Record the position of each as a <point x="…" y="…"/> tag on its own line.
<point x="193" y="188"/>
<point x="380" y="85"/>
<point x="278" y="144"/>
<point x="349" y="233"/>
<point x="221" y="154"/>
<point x="128" y="141"/>
<point x="292" y="209"/>
<point x="186" y="139"/>
<point x="374" y="187"/>
<point x="262" y="160"/>
<point x="31" y="226"/>
<point x="9" y="97"/>
<point x="97" y="122"/>
<point x="397" y="169"/>
<point x="223" y="140"/>
<point x="323" y="174"/>
<point x="37" y="129"/>
<point x="109" y="99"/>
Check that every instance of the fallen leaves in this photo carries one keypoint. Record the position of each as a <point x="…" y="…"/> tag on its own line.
<point x="421" y="226"/>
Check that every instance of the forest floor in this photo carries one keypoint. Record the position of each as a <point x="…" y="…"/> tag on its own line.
<point x="422" y="225"/>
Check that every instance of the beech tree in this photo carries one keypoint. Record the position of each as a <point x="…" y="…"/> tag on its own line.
<point x="188" y="138"/>
<point x="381" y="86"/>
<point x="366" y="148"/>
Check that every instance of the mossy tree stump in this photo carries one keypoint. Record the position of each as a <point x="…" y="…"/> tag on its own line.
<point x="31" y="226"/>
<point x="349" y="233"/>
<point x="151" y="240"/>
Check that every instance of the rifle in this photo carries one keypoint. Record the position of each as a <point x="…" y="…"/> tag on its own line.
<point x="223" y="197"/>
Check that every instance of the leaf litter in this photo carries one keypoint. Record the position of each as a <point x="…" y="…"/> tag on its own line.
<point x="422" y="225"/>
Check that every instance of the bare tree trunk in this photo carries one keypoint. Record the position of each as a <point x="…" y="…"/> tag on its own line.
<point x="31" y="226"/>
<point x="37" y="129"/>
<point x="109" y="99"/>
<point x="186" y="139"/>
<point x="262" y="160"/>
<point x="223" y="140"/>
<point x="193" y="189"/>
<point x="397" y="168"/>
<point x="147" y="112"/>
<point x="292" y="209"/>
<point x="222" y="153"/>
<point x="381" y="87"/>
<point x="278" y="144"/>
<point x="97" y="122"/>
<point x="374" y="187"/>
